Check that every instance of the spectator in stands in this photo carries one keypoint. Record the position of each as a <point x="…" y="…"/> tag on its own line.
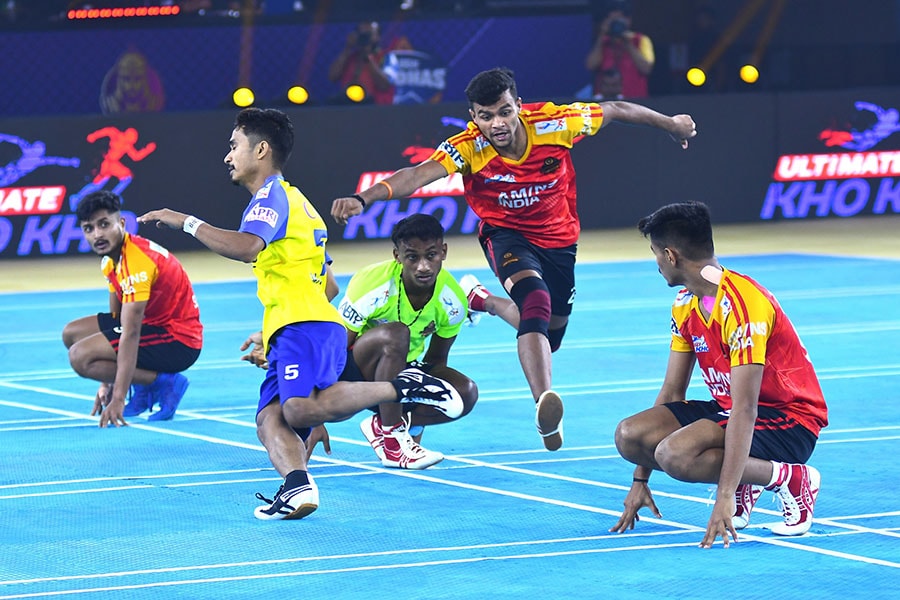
<point x="360" y="63"/>
<point x="131" y="85"/>
<point x="620" y="49"/>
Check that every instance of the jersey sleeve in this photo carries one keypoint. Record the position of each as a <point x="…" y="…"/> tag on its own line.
<point x="456" y="152"/>
<point x="455" y="307"/>
<point x="367" y="293"/>
<point x="680" y="312"/>
<point x="267" y="214"/>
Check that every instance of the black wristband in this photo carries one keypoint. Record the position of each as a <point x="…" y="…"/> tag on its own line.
<point x="639" y="480"/>
<point x="360" y="198"/>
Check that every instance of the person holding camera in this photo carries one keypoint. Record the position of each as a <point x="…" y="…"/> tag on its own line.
<point x="360" y="63"/>
<point x="622" y="52"/>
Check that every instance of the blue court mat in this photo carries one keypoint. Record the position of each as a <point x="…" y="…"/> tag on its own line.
<point x="165" y="510"/>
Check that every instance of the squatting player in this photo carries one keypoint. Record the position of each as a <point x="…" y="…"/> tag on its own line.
<point x="767" y="408"/>
<point x="509" y="149"/>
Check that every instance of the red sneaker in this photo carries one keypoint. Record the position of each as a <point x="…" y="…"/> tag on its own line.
<point x="475" y="293"/>
<point x="745" y="498"/>
<point x="402" y="452"/>
<point x="798" y="498"/>
<point x="371" y="428"/>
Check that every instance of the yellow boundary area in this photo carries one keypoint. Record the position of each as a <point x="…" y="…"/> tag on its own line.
<point x="860" y="236"/>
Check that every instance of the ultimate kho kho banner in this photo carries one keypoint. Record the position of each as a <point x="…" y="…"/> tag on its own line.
<point x="756" y="157"/>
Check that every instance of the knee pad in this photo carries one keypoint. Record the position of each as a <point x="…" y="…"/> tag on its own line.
<point x="533" y="300"/>
<point x="556" y="336"/>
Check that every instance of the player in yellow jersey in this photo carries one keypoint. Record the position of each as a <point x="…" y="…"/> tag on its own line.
<point x="519" y="179"/>
<point x="305" y="342"/>
<point x="767" y="408"/>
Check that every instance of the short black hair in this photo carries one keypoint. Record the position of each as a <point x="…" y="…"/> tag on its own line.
<point x="417" y="226"/>
<point x="99" y="200"/>
<point x="685" y="226"/>
<point x="271" y="125"/>
<point x="487" y="87"/>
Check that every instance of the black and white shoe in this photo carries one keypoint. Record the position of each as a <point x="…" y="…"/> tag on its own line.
<point x="416" y="386"/>
<point x="294" y="503"/>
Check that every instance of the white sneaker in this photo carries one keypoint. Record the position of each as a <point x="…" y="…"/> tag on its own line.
<point x="745" y="497"/>
<point x="798" y="498"/>
<point x="294" y="503"/>
<point x="402" y="452"/>
<point x="371" y="428"/>
<point x="548" y="419"/>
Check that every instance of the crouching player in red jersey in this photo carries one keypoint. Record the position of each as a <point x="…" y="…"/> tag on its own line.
<point x="519" y="180"/>
<point x="767" y="408"/>
<point x="152" y="331"/>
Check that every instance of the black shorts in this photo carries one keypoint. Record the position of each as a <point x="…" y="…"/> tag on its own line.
<point x="508" y="252"/>
<point x="158" y="350"/>
<point x="776" y="436"/>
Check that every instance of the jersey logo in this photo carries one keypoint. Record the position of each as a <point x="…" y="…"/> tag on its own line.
<point x="267" y="215"/>
<point x="264" y="191"/>
<point x="550" y="165"/>
<point x="481" y="143"/>
<point x="504" y="178"/>
<point x="451" y="151"/>
<point x="350" y="314"/>
<point x="545" y="127"/>
<point x="700" y="344"/>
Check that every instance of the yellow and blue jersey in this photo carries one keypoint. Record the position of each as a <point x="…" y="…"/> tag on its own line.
<point x="290" y="270"/>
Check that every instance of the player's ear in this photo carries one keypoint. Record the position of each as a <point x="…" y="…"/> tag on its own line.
<point x="396" y="254"/>
<point x="444" y="251"/>
<point x="262" y="148"/>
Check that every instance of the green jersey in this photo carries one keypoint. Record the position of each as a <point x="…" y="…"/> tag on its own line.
<point x="374" y="297"/>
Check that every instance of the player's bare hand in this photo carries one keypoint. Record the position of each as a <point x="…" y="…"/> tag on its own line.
<point x="318" y="434"/>
<point x="257" y="355"/>
<point x="102" y="398"/>
<point x="344" y="208"/>
<point x="720" y="524"/>
<point x="683" y="129"/>
<point x="638" y="497"/>
<point x="163" y="217"/>
<point x="112" y="414"/>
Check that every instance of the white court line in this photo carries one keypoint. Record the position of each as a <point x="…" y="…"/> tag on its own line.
<point x="517" y="495"/>
<point x="303" y="559"/>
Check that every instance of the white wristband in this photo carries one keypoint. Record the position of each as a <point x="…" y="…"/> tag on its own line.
<point x="191" y="224"/>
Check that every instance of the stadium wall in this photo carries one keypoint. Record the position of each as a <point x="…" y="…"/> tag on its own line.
<point x="756" y="157"/>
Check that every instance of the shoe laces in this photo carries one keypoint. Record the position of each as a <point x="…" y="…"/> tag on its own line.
<point x="790" y="507"/>
<point x="408" y="445"/>
<point x="259" y="496"/>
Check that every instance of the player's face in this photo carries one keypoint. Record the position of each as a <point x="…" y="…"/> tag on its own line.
<point x="665" y="266"/>
<point x="105" y="232"/>
<point x="422" y="261"/>
<point x="499" y="122"/>
<point x="240" y="160"/>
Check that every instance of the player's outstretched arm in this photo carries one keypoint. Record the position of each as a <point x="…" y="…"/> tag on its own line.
<point x="235" y="245"/>
<point x="399" y="185"/>
<point x="680" y="127"/>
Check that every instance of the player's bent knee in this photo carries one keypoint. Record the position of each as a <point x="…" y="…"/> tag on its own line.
<point x="533" y="300"/>
<point x="556" y="337"/>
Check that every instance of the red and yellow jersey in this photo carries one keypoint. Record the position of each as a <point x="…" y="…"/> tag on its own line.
<point x="535" y="195"/>
<point x="747" y="326"/>
<point x="148" y="272"/>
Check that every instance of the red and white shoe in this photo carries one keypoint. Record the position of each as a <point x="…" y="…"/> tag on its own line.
<point x="476" y="294"/>
<point x="798" y="498"/>
<point x="745" y="498"/>
<point x="402" y="452"/>
<point x="371" y="428"/>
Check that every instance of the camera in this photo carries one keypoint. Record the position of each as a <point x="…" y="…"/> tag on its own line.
<point x="617" y="27"/>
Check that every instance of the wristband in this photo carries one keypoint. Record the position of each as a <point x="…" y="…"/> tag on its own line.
<point x="389" y="189"/>
<point x="639" y="480"/>
<point x="191" y="224"/>
<point x="360" y="198"/>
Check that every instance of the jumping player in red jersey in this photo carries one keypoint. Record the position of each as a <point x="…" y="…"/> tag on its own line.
<point x="518" y="178"/>
<point x="152" y="331"/>
<point x="767" y="407"/>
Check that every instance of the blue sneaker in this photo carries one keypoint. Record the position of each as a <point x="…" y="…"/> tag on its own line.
<point x="168" y="390"/>
<point x="141" y="400"/>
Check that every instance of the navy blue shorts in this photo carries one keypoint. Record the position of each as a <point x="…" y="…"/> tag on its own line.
<point x="158" y="350"/>
<point x="303" y="357"/>
<point x="508" y="252"/>
<point x="776" y="436"/>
